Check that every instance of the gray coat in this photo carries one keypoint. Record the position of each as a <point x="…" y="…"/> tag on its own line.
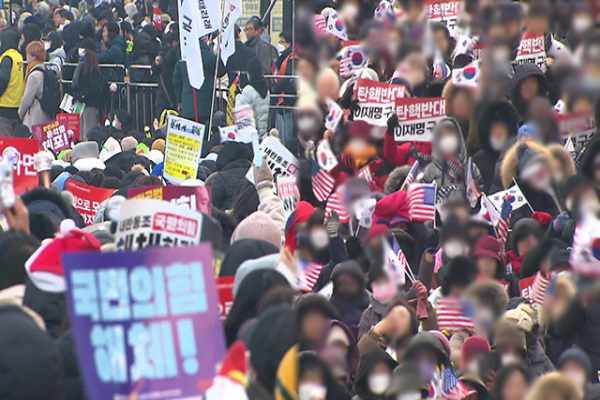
<point x="30" y="110"/>
<point x="260" y="106"/>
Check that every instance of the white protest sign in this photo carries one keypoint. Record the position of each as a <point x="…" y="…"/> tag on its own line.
<point x="183" y="148"/>
<point x="417" y="118"/>
<point x="279" y="158"/>
<point x="287" y="191"/>
<point x="156" y="223"/>
<point x="376" y="101"/>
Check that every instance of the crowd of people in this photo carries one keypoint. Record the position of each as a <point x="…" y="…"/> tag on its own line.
<point x="440" y="242"/>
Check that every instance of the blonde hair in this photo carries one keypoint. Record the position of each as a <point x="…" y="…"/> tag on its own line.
<point x="36" y="50"/>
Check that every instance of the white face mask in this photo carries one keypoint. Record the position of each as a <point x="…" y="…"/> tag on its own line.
<point x="116" y="124"/>
<point x="497" y="143"/>
<point x="378" y="383"/>
<point x="306" y="123"/>
<point x="280" y="48"/>
<point x="81" y="52"/>
<point x="581" y="24"/>
<point x="47" y="45"/>
<point x="409" y="396"/>
<point x="311" y="391"/>
<point x="508" y="359"/>
<point x="448" y="144"/>
<point x="319" y="238"/>
<point x="454" y="249"/>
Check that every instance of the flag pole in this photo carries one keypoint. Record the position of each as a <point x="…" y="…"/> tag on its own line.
<point x="216" y="76"/>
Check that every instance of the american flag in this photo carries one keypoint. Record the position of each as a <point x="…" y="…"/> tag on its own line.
<point x="353" y="58"/>
<point x="411" y="176"/>
<point x="421" y="202"/>
<point x="322" y="182"/>
<point x="452" y="388"/>
<point x="451" y="315"/>
<point x="539" y="287"/>
<point x="311" y="275"/>
<point x="319" y="24"/>
<point x="335" y="203"/>
<point x="365" y="173"/>
<point x="499" y="219"/>
<point x="395" y="265"/>
<point x="473" y="191"/>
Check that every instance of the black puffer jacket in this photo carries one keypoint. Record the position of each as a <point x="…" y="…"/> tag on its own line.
<point x="522" y="72"/>
<point x="230" y="180"/>
<point x="487" y="158"/>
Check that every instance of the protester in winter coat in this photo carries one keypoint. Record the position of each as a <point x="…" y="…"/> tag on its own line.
<point x="512" y="382"/>
<point x="373" y="375"/>
<point x="265" y="52"/>
<point x="230" y="180"/>
<point x="30" y="110"/>
<point x="12" y="82"/>
<point x="349" y="297"/>
<point x="575" y="364"/>
<point x="497" y="129"/>
<point x="448" y="168"/>
<point x="529" y="82"/>
<point x="89" y="86"/>
<point x="256" y="95"/>
<point x="111" y="49"/>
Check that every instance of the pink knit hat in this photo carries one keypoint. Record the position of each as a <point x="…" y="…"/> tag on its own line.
<point x="258" y="225"/>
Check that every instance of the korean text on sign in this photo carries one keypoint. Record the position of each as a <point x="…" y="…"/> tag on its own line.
<point x="376" y="101"/>
<point x="445" y="11"/>
<point x="155" y="223"/>
<point x="417" y="118"/>
<point x="146" y="324"/>
<point x="278" y="157"/>
<point x="87" y="198"/>
<point x="532" y="50"/>
<point x="19" y="152"/>
<point x="183" y="148"/>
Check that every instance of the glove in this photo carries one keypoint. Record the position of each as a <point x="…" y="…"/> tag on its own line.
<point x="392" y="122"/>
<point x="421" y="292"/>
<point x="262" y="174"/>
<point x="524" y="316"/>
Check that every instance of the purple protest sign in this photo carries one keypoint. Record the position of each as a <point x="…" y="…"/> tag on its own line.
<point x="146" y="324"/>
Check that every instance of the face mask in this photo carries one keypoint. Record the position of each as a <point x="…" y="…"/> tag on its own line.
<point x="448" y="144"/>
<point x="384" y="292"/>
<point x="579" y="379"/>
<point x="509" y="358"/>
<point x="500" y="55"/>
<point x="454" y="249"/>
<point x="116" y="124"/>
<point x="311" y="391"/>
<point x="542" y="183"/>
<point x="280" y="48"/>
<point x="81" y="52"/>
<point x="319" y="238"/>
<point x="47" y="45"/>
<point x="378" y="383"/>
<point x="497" y="143"/>
<point x="307" y="124"/>
<point x="409" y="396"/>
<point x="581" y="24"/>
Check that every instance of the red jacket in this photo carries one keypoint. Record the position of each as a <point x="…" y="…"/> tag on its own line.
<point x="399" y="154"/>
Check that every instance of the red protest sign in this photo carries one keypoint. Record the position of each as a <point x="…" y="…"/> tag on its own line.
<point x="87" y="198"/>
<point x="72" y="124"/>
<point x="52" y="136"/>
<point x="526" y="287"/>
<point x="417" y="118"/>
<point x="225" y="290"/>
<point x="194" y="198"/>
<point x="376" y="101"/>
<point x="20" y="152"/>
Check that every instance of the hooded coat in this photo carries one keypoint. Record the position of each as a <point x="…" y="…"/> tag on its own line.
<point x="591" y="391"/>
<point x="366" y="365"/>
<point x="487" y="158"/>
<point x="230" y="180"/>
<point x="522" y="72"/>
<point x="350" y="309"/>
<point x="438" y="170"/>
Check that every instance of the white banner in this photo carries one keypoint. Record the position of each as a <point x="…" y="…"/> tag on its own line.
<point x="156" y="223"/>
<point x="233" y="11"/>
<point x="417" y="118"/>
<point x="189" y="40"/>
<point x="209" y="16"/>
<point x="279" y="159"/>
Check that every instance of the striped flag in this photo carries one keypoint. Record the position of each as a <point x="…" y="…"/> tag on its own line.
<point x="452" y="388"/>
<point x="539" y="287"/>
<point x="394" y="265"/>
<point x="312" y="271"/>
<point x="319" y="24"/>
<point x="412" y="175"/>
<point x="421" y="202"/>
<point x="232" y="91"/>
<point x="335" y="203"/>
<point x="322" y="182"/>
<point x="473" y="191"/>
<point x="451" y="315"/>
<point x="499" y="223"/>
<point x="365" y="173"/>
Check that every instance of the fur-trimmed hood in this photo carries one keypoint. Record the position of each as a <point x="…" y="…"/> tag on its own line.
<point x="565" y="163"/>
<point x="509" y="168"/>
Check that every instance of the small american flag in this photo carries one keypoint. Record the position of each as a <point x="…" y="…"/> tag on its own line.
<point x="336" y="204"/>
<point x="412" y="175"/>
<point x="322" y="182"/>
<point x="319" y="24"/>
<point x="311" y="275"/>
<point x="473" y="191"/>
<point x="499" y="219"/>
<point x="452" y="388"/>
<point x="421" y="202"/>
<point x="451" y="315"/>
<point x="539" y="287"/>
<point x="365" y="173"/>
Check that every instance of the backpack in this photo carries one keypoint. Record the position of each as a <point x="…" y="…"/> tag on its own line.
<point x="51" y="95"/>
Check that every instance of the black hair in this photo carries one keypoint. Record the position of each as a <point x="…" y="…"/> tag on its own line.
<point x="113" y="29"/>
<point x="286" y="35"/>
<point x="459" y="272"/>
<point x="504" y="374"/>
<point x="255" y="21"/>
